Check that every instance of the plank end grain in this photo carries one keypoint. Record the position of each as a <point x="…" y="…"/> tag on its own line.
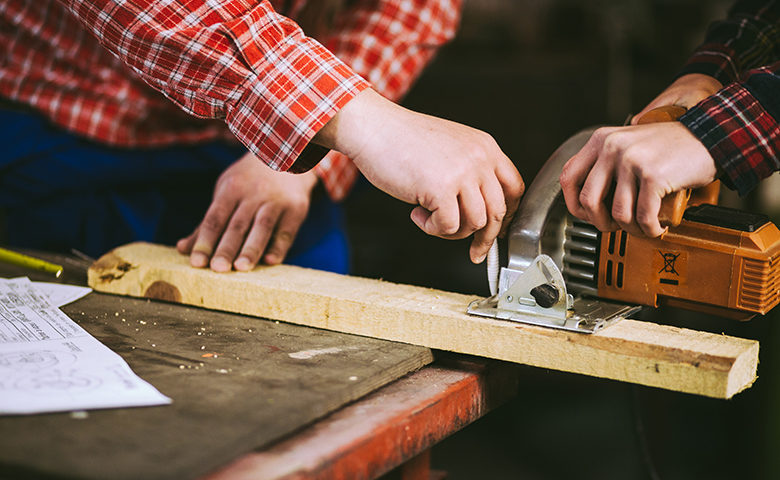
<point x="633" y="351"/>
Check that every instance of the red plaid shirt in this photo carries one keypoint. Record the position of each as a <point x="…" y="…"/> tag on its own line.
<point x="739" y="124"/>
<point x="89" y="66"/>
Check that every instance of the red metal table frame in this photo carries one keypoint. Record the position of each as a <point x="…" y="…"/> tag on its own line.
<point x="391" y="427"/>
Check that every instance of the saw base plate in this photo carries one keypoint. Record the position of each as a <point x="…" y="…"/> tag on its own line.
<point x="588" y="315"/>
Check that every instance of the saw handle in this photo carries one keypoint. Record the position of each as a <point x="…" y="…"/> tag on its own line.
<point x="673" y="205"/>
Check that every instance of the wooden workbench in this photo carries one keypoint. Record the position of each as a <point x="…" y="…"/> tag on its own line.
<point x="253" y="398"/>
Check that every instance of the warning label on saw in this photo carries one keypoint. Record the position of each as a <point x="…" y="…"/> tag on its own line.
<point x="671" y="267"/>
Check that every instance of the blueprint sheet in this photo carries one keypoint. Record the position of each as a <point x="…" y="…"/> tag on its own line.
<point x="48" y="363"/>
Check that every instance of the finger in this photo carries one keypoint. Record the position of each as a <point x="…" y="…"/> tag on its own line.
<point x="496" y="212"/>
<point x="265" y="220"/>
<point x="233" y="237"/>
<point x="512" y="186"/>
<point x="210" y="230"/>
<point x="575" y="172"/>
<point x="184" y="245"/>
<point x="624" y="203"/>
<point x="594" y="195"/>
<point x="441" y="221"/>
<point x="647" y="209"/>
<point x="420" y="216"/>
<point x="286" y="231"/>
<point x="473" y="211"/>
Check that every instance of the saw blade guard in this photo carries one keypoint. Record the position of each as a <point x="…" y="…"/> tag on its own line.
<point x="540" y="221"/>
<point x="551" y="257"/>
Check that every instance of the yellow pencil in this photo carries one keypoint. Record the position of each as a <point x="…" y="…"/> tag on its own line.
<point x="27" y="261"/>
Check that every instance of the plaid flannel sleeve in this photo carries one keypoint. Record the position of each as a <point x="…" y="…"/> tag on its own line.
<point x="748" y="38"/>
<point x="247" y="65"/>
<point x="388" y="43"/>
<point x="739" y="126"/>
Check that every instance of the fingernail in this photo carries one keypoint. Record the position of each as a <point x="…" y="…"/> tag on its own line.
<point x="220" y="264"/>
<point x="480" y="259"/>
<point x="271" y="259"/>
<point x="199" y="259"/>
<point x="243" y="264"/>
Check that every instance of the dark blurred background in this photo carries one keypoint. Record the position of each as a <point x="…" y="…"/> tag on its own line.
<point x="532" y="73"/>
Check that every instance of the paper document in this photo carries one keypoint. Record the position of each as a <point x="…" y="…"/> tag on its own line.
<point x="48" y="363"/>
<point x="60" y="294"/>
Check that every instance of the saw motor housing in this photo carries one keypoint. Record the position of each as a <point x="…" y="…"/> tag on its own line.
<point x="718" y="260"/>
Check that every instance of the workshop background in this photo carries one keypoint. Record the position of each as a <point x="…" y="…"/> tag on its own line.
<point x="532" y="73"/>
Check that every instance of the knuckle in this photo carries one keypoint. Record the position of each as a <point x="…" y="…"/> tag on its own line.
<point x="449" y="227"/>
<point x="611" y="145"/>
<point x="567" y="177"/>
<point x="451" y="230"/>
<point x="477" y="223"/>
<point x="601" y="132"/>
<point x="213" y="222"/>
<point x="239" y="225"/>
<point x="635" y="158"/>
<point x="498" y="214"/>
<point x="600" y="135"/>
<point x="300" y="204"/>
<point x="437" y="196"/>
<point x="282" y="240"/>
<point x="265" y="222"/>
<point x="645" y="218"/>
<point x="481" y="149"/>
<point x="485" y="139"/>
<point x="518" y="188"/>
<point x="229" y="183"/>
<point x="621" y="214"/>
<point x="588" y="201"/>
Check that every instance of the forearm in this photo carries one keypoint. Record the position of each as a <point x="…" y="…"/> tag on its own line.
<point x="389" y="43"/>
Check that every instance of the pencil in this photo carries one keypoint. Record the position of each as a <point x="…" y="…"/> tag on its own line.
<point x="26" y="261"/>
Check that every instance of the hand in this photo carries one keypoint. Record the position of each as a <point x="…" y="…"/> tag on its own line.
<point x="686" y="91"/>
<point x="460" y="180"/>
<point x="255" y="212"/>
<point x="644" y="163"/>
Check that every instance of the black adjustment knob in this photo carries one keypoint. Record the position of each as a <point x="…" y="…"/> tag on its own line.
<point x="546" y="295"/>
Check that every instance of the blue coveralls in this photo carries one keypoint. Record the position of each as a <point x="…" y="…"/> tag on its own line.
<point x="59" y="191"/>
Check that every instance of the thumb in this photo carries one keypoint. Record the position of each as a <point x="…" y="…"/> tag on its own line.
<point x="421" y="217"/>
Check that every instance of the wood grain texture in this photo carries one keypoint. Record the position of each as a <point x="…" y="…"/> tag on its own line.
<point x="238" y="384"/>
<point x="632" y="351"/>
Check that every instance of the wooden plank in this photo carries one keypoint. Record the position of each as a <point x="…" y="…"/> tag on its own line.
<point x="633" y="351"/>
<point x="238" y="384"/>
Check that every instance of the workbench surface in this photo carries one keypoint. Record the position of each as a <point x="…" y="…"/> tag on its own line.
<point x="246" y="392"/>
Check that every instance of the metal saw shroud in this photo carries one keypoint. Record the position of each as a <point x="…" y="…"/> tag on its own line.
<point x="563" y="273"/>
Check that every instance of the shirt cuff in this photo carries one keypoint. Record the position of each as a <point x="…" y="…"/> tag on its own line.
<point x="297" y="88"/>
<point x="743" y="139"/>
<point x="714" y="60"/>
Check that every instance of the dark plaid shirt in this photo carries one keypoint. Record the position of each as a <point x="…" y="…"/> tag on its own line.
<point x="739" y="124"/>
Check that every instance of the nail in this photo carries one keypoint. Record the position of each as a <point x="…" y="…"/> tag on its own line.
<point x="243" y="264"/>
<point x="199" y="259"/>
<point x="220" y="264"/>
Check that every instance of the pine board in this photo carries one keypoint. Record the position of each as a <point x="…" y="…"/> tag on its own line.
<point x="632" y="351"/>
